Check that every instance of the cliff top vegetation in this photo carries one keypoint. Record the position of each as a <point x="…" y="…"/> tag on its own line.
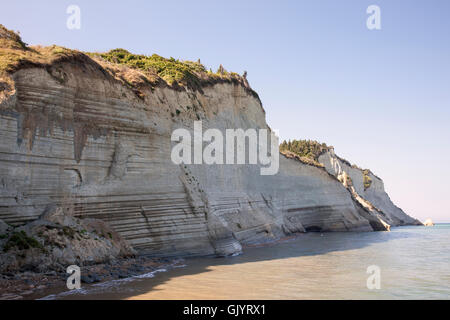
<point x="308" y="149"/>
<point x="154" y="70"/>
<point x="171" y="70"/>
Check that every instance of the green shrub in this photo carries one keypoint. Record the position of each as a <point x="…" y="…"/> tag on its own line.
<point x="21" y="241"/>
<point x="69" y="232"/>
<point x="170" y="70"/>
<point x="305" y="148"/>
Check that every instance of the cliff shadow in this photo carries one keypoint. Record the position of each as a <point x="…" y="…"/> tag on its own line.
<point x="303" y="245"/>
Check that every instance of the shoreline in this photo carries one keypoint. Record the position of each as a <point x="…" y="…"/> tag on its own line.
<point x="31" y="285"/>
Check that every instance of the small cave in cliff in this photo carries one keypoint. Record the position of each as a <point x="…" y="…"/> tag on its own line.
<point x="313" y="229"/>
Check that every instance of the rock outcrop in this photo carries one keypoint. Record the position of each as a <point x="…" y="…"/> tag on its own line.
<point x="74" y="133"/>
<point x="57" y="240"/>
<point x="367" y="189"/>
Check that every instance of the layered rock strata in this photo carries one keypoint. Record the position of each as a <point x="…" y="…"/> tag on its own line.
<point x="73" y="134"/>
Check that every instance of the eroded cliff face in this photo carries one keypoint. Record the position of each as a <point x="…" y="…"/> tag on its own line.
<point x="368" y="190"/>
<point x="72" y="134"/>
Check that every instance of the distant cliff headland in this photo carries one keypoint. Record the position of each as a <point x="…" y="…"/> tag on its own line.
<point x="86" y="175"/>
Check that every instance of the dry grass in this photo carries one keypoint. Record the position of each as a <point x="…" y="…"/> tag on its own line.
<point x="15" y="54"/>
<point x="367" y="181"/>
<point x="134" y="71"/>
<point x="305" y="160"/>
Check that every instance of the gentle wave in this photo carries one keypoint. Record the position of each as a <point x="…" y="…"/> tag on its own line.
<point x="414" y="263"/>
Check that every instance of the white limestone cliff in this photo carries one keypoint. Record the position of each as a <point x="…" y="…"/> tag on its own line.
<point x="73" y="134"/>
<point x="367" y="189"/>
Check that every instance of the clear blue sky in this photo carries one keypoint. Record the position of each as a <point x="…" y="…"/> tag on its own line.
<point x="382" y="98"/>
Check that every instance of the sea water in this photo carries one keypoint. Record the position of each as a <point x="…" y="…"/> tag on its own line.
<point x="412" y="263"/>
